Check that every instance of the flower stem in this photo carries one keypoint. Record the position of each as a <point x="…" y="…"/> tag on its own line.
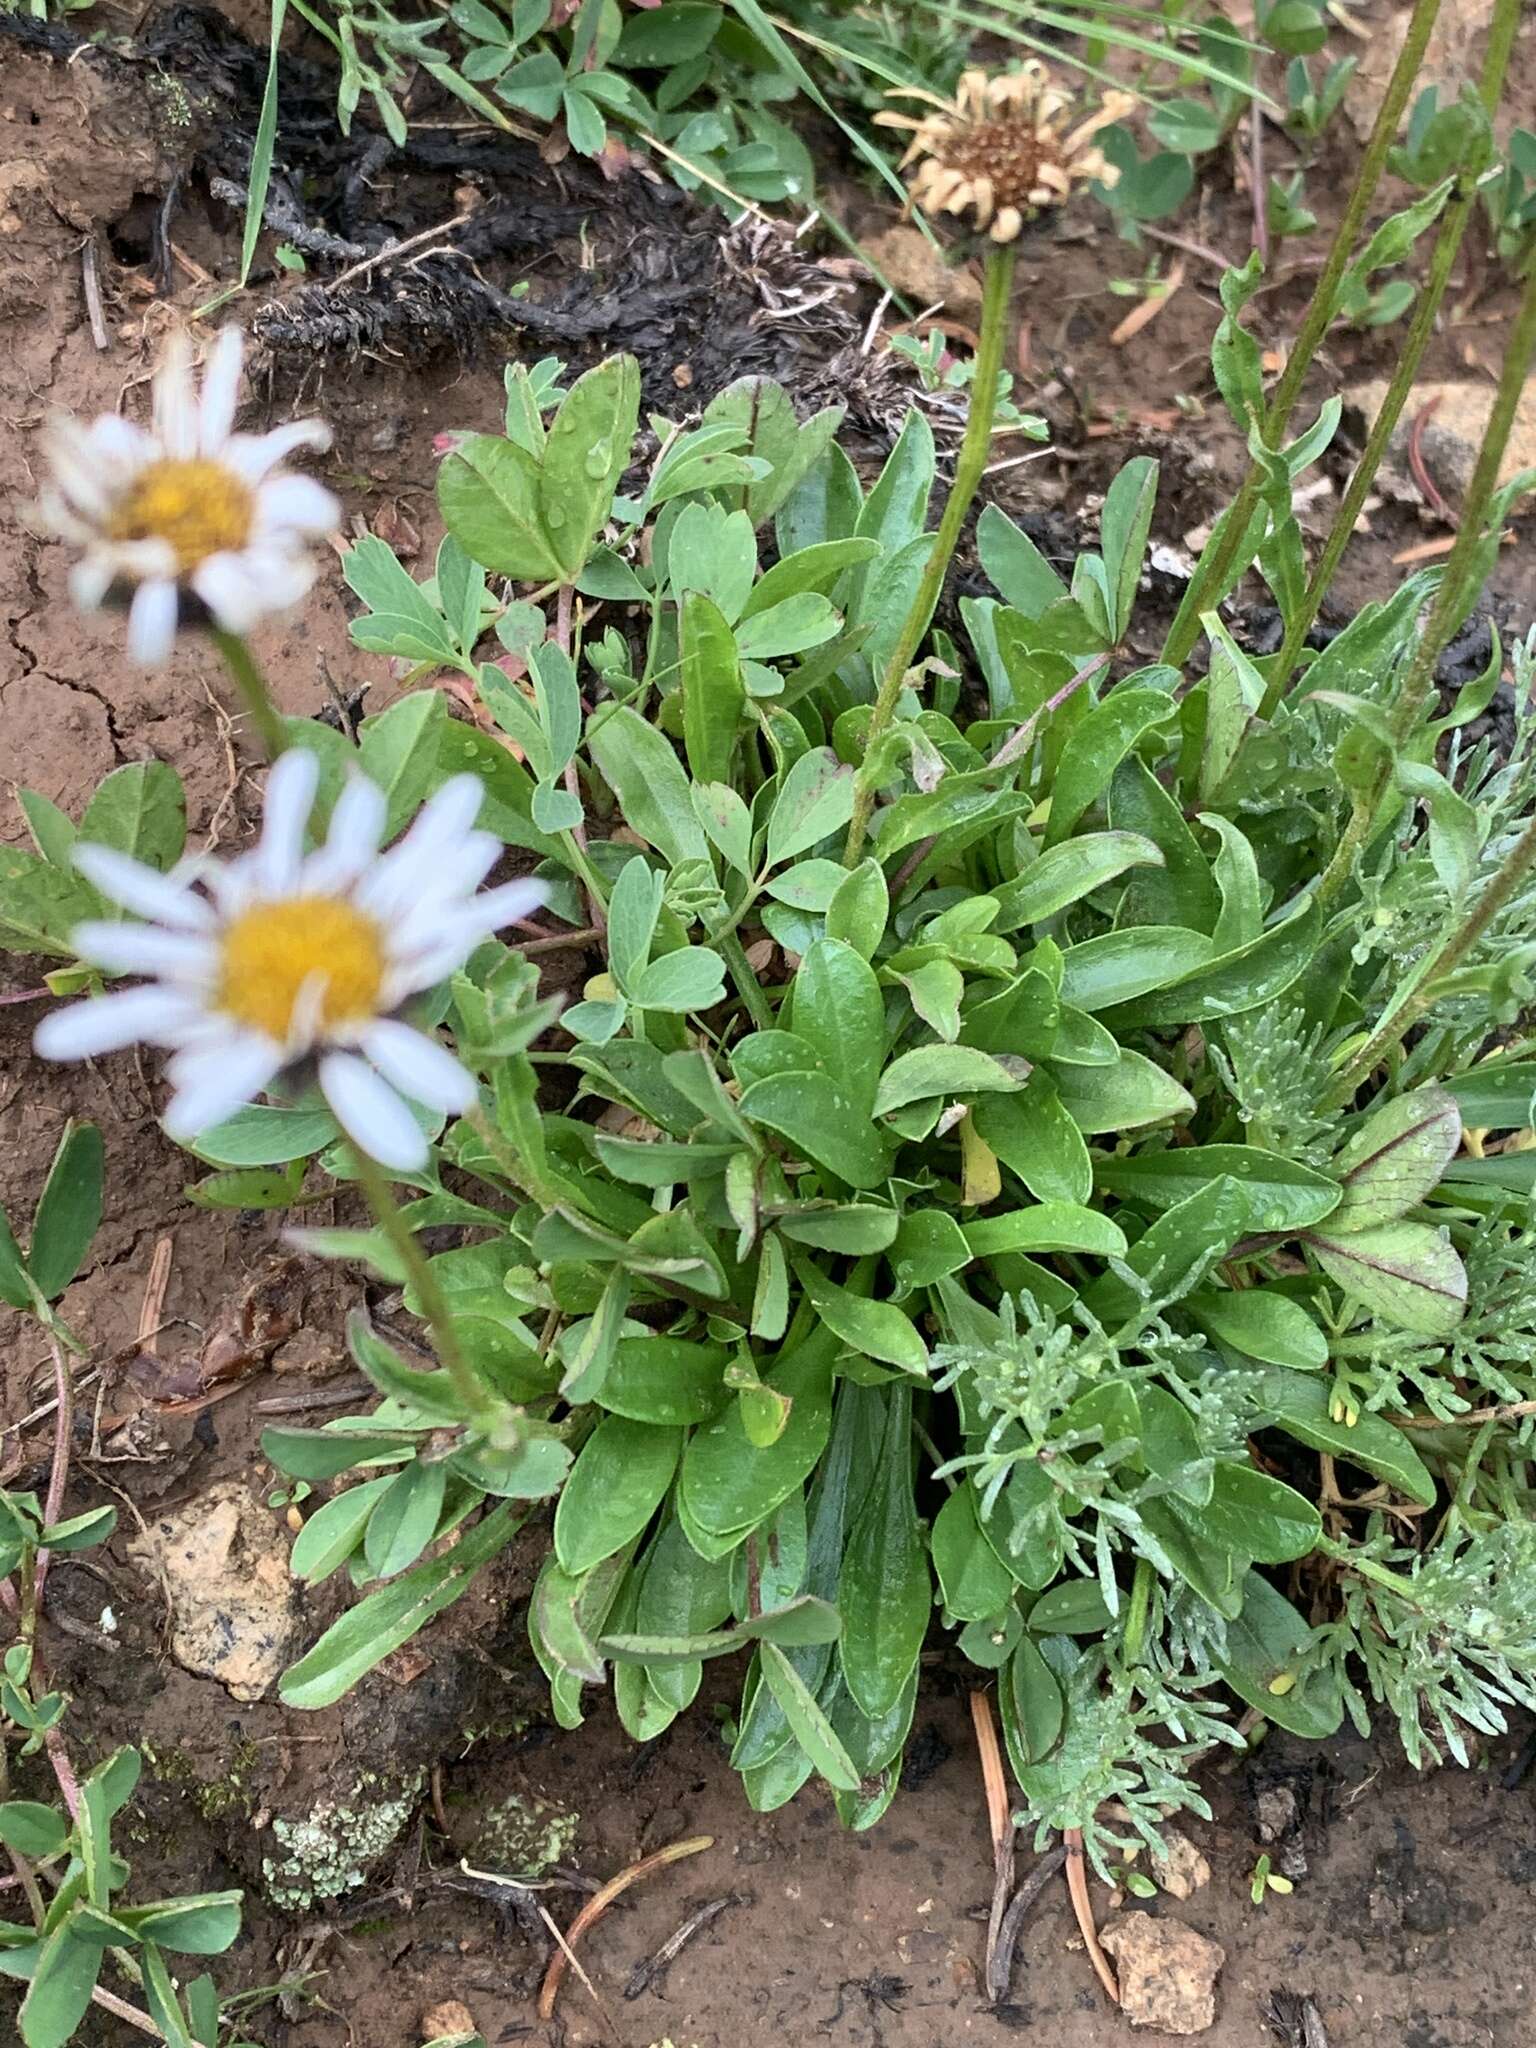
<point x="748" y="986"/>
<point x="1447" y="247"/>
<point x="1212" y="576"/>
<point x="1392" y="1030"/>
<point x="1451" y="599"/>
<point x="266" y="720"/>
<point x="969" y="465"/>
<point x="374" y="1183"/>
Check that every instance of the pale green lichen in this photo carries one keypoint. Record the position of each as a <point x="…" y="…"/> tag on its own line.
<point x="331" y="1850"/>
<point x="522" y="1836"/>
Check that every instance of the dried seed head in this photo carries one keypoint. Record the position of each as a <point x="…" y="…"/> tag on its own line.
<point x="1004" y="148"/>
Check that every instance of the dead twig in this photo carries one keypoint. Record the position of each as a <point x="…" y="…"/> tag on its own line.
<point x="1000" y="1962"/>
<point x="91" y="285"/>
<point x="1082" y="1906"/>
<point x="1511" y="1412"/>
<point x="599" y="1903"/>
<point x="396" y="249"/>
<point x="1146" y="311"/>
<point x="999" y="1820"/>
<point x="1420" y="467"/>
<point x="653" y="1968"/>
<point x="58" y="1475"/>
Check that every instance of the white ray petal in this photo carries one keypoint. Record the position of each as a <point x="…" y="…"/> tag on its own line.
<point x="175" y="401"/>
<point x="152" y="1016"/>
<point x="91" y="578"/>
<point x="289" y="799"/>
<point x="141" y="889"/>
<point x="152" y="622"/>
<point x="146" y="949"/>
<point x="213" y="1083"/>
<point x="251" y="456"/>
<point x="295" y="504"/>
<point x="371" y="1113"/>
<point x="225" y="584"/>
<point x="352" y="839"/>
<point x="221" y="391"/>
<point x="418" y="1066"/>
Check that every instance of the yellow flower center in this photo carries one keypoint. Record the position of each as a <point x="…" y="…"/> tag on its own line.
<point x="272" y="953"/>
<point x="200" y="507"/>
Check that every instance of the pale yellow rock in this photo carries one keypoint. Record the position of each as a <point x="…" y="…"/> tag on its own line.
<point x="223" y="1562"/>
<point x="918" y="270"/>
<point x="1451" y="435"/>
<point x="452" y="2020"/>
<point x="1167" y="1972"/>
<point x="1183" y="1870"/>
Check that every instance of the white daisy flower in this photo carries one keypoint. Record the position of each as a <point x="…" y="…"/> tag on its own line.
<point x="186" y="509"/>
<point x="280" y="958"/>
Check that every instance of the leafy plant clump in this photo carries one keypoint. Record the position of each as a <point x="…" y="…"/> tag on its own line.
<point x="985" y="1220"/>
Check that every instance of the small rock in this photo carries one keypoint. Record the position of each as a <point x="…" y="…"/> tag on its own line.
<point x="1182" y="1870"/>
<point x="1453" y="432"/>
<point x="448" y="2021"/>
<point x="918" y="270"/>
<point x="1276" y="1813"/>
<point x="223" y="1560"/>
<point x="1167" y="1973"/>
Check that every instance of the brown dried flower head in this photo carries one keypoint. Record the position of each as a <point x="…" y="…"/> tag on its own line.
<point x="1004" y="147"/>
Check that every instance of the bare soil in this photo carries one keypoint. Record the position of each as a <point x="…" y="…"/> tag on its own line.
<point x="1411" y="1923"/>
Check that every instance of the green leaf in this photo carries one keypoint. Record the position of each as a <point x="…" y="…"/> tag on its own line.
<point x="1075" y="1607"/>
<point x="639" y="766"/>
<point x="1408" y="1273"/>
<point x="32" y="1830"/>
<point x="728" y="1483"/>
<point x="266" y="1136"/>
<point x="815" y="801"/>
<point x="201" y="1924"/>
<point x="1284" y="1194"/>
<point x="1033" y="1135"/>
<point x="973" y="1579"/>
<point x="850" y="1227"/>
<point x="1300" y="1406"/>
<point x="404" y="1519"/>
<point x="15" y="1288"/>
<point x="63" y="1979"/>
<point x="139" y="810"/>
<point x="1177" y="1252"/>
<point x="812" y="1730"/>
<point x="1098" y="744"/>
<point x="40" y="905"/>
<point x="1068" y="872"/>
<point x="714" y="696"/>
<point x="1015" y="565"/>
<point x="1119" y="966"/>
<point x="1047" y="1227"/>
<point x="1127" y="518"/>
<point x="68" y="1210"/>
<point x="837" y="1007"/>
<point x="620" y="1477"/>
<point x="1031" y="1705"/>
<point x="319" y="1454"/>
<point x="872" y="1329"/>
<point x="1396" y="1157"/>
<point x="399" y="751"/>
<point x="1262" y="1323"/>
<point x="488" y="494"/>
<point x="1181" y="891"/>
<point x="1131" y="1093"/>
<point x="811" y="1112"/>
<point x="692" y="978"/>
<point x="369" y="1632"/>
<point x="334" y="1530"/>
<point x="1236" y="981"/>
<point x="884" y="1590"/>
<point x="860" y="909"/>
<point x="941" y="1070"/>
<point x="251" y="1187"/>
<point x="1268" y="1647"/>
<point x="1497" y="1095"/>
<point x="1254" y="1516"/>
<point x="402" y="618"/>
